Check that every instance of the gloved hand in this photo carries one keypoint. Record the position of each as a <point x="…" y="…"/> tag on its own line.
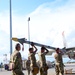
<point x="32" y="44"/>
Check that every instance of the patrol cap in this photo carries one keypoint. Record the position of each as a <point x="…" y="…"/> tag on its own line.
<point x="30" y="49"/>
<point x="42" y="48"/>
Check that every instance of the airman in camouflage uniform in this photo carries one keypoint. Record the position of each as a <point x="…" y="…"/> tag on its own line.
<point x="33" y="66"/>
<point x="43" y="64"/>
<point x="59" y="67"/>
<point x="17" y="61"/>
<point x="28" y="65"/>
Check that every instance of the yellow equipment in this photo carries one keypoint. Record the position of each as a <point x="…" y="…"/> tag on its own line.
<point x="36" y="70"/>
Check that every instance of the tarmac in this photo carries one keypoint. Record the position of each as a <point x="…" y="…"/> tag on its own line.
<point x="4" y="72"/>
<point x="51" y="71"/>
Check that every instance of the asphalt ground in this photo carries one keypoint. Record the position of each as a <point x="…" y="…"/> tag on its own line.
<point x="51" y="71"/>
<point x="5" y="72"/>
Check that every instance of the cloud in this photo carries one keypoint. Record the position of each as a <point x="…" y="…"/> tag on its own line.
<point x="50" y="22"/>
<point x="47" y="22"/>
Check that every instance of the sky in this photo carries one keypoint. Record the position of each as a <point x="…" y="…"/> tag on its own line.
<point x="48" y="19"/>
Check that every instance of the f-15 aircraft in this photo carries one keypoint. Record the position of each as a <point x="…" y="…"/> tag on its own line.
<point x="66" y="51"/>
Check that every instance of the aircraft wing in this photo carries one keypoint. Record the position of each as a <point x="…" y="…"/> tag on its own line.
<point x="70" y="49"/>
<point x="50" y="52"/>
<point x="23" y="40"/>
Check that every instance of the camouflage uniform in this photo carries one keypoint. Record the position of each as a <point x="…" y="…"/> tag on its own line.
<point x="43" y="65"/>
<point x="33" y="62"/>
<point x="28" y="66"/>
<point x="17" y="61"/>
<point x="59" y="67"/>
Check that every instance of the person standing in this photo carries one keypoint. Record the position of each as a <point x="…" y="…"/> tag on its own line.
<point x="16" y="61"/>
<point x="28" y="65"/>
<point x="59" y="67"/>
<point x="1" y="65"/>
<point x="43" y="65"/>
<point x="33" y="65"/>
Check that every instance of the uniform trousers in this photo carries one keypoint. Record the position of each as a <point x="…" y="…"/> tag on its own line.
<point x="17" y="72"/>
<point x="43" y="71"/>
<point x="59" y="69"/>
